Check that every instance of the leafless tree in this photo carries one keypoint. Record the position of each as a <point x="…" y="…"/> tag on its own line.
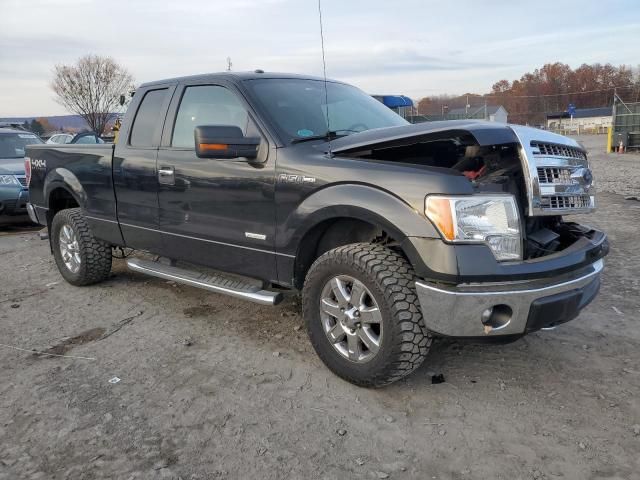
<point x="91" y="88"/>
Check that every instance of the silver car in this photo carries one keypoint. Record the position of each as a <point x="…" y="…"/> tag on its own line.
<point x="60" y="138"/>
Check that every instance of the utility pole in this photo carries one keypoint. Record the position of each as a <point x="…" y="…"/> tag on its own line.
<point x="229" y="64"/>
<point x="444" y="108"/>
<point x="613" y="121"/>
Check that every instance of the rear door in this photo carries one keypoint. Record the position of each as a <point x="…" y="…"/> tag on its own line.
<point x="216" y="212"/>
<point x="135" y="171"/>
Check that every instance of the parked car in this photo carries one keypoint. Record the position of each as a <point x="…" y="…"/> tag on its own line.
<point x="60" y="138"/>
<point x="394" y="233"/>
<point x="14" y="194"/>
<point x="87" y="138"/>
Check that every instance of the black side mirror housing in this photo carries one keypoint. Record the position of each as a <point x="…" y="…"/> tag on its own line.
<point x="224" y="141"/>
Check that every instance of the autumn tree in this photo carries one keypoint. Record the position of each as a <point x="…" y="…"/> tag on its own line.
<point x="551" y="88"/>
<point x="500" y="87"/>
<point x="36" y="127"/>
<point x="47" y="126"/>
<point x="91" y="88"/>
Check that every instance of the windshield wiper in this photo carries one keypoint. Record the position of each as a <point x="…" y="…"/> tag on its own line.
<point x="333" y="134"/>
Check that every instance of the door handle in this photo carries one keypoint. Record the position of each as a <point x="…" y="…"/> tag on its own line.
<point x="166" y="176"/>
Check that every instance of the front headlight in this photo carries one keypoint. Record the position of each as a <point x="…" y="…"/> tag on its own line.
<point x="8" y="180"/>
<point x="489" y="219"/>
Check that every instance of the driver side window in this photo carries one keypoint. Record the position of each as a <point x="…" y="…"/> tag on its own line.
<point x="207" y="105"/>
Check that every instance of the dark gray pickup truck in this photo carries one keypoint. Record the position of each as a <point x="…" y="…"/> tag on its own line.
<point x="248" y="184"/>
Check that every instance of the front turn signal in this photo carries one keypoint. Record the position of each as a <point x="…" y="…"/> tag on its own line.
<point x="438" y="210"/>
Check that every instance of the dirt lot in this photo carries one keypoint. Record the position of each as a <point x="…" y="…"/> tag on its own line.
<point x="211" y="387"/>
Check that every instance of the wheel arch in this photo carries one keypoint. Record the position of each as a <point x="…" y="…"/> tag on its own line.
<point x="63" y="183"/>
<point x="59" y="198"/>
<point x="339" y="229"/>
<point x="327" y="234"/>
<point x="369" y="213"/>
<point x="61" y="190"/>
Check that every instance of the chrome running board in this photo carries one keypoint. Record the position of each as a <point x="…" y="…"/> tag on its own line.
<point x="214" y="283"/>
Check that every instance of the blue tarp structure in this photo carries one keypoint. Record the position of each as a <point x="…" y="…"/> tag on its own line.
<point x="396" y="101"/>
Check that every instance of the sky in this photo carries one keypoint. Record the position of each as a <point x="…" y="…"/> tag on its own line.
<point x="411" y="47"/>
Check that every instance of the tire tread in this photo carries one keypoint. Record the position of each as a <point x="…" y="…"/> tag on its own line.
<point x="396" y="278"/>
<point x="96" y="254"/>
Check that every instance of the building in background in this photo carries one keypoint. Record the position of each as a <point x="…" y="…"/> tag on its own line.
<point x="495" y="113"/>
<point x="585" y="120"/>
<point x="400" y="104"/>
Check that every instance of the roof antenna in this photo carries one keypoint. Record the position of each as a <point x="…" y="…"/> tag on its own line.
<point x="324" y="71"/>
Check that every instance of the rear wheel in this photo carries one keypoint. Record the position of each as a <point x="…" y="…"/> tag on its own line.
<point x="81" y="258"/>
<point x="363" y="316"/>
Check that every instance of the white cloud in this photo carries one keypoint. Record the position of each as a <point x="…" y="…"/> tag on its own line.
<point x="413" y="47"/>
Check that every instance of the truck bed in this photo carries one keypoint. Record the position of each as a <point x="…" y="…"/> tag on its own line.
<point x="83" y="171"/>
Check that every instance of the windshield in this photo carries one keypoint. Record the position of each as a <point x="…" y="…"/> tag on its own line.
<point x="12" y="144"/>
<point x="298" y="108"/>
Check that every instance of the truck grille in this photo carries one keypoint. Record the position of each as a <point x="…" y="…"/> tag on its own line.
<point x="560" y="176"/>
<point x="564" y="181"/>
<point x="566" y="202"/>
<point x="553" y="150"/>
<point x="557" y="175"/>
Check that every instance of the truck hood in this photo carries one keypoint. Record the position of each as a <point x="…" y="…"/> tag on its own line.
<point x="531" y="151"/>
<point x="11" y="166"/>
<point x="485" y="133"/>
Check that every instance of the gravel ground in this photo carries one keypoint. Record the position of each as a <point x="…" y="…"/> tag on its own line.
<point x="613" y="173"/>
<point x="210" y="387"/>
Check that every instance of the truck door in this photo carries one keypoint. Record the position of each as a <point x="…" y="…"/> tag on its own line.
<point x="134" y="169"/>
<point x="216" y="212"/>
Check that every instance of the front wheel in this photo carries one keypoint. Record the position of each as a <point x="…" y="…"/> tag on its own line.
<point x="363" y="316"/>
<point x="81" y="258"/>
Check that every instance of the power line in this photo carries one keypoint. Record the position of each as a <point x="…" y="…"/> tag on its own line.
<point x="507" y="95"/>
<point x="608" y="89"/>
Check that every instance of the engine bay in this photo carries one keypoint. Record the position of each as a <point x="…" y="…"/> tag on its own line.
<point x="490" y="169"/>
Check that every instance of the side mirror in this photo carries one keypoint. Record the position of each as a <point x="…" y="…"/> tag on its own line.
<point x="224" y="141"/>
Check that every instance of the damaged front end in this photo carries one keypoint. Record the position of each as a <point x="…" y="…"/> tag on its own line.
<point x="477" y="283"/>
<point x="547" y="174"/>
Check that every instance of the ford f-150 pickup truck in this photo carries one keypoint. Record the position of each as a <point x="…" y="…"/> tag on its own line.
<point x="248" y="184"/>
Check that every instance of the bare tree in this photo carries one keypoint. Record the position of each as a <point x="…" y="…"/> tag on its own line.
<point x="91" y="88"/>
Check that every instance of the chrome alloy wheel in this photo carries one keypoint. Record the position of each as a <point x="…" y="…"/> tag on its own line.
<point x="70" y="249"/>
<point x="351" y="318"/>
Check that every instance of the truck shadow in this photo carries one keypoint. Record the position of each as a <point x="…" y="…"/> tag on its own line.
<point x="18" y="228"/>
<point x="281" y="329"/>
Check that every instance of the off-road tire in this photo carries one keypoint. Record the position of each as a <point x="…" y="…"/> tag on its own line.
<point x="391" y="280"/>
<point x="95" y="254"/>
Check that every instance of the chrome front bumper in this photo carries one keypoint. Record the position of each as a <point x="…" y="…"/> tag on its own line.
<point x="458" y="311"/>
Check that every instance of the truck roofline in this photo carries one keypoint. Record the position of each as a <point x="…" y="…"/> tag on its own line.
<point x="236" y="76"/>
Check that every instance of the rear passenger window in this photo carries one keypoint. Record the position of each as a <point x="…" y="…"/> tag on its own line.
<point x="207" y="105"/>
<point x="147" y="119"/>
